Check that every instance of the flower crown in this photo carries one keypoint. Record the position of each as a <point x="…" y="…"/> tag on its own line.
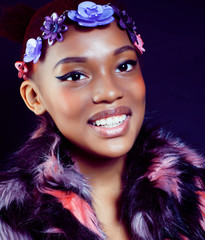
<point x="88" y="14"/>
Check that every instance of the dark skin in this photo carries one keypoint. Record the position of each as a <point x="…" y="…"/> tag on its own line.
<point x="108" y="78"/>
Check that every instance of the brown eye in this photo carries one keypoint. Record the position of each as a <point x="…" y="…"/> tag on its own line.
<point x="72" y="76"/>
<point x="75" y="77"/>
<point x="126" y="66"/>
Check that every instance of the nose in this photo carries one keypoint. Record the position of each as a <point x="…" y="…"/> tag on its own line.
<point x="106" y="90"/>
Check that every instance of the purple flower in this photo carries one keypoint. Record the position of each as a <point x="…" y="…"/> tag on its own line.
<point x="126" y="23"/>
<point x="52" y="28"/>
<point x="33" y="50"/>
<point x="90" y="14"/>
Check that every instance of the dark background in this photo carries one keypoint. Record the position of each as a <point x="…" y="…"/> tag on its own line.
<point x="173" y="67"/>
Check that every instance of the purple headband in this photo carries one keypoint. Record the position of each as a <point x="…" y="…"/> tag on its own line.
<point x="88" y="14"/>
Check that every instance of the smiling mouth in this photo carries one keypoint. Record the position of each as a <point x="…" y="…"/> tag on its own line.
<point x="111" y="122"/>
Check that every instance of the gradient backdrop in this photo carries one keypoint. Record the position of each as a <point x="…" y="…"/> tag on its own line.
<point x="173" y="67"/>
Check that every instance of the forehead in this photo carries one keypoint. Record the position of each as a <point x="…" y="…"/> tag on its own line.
<point x="81" y="41"/>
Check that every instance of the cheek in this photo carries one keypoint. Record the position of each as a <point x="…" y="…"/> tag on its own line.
<point x="66" y="105"/>
<point x="138" y="90"/>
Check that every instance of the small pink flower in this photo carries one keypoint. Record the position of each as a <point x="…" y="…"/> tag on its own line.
<point x="22" y="69"/>
<point x="139" y="44"/>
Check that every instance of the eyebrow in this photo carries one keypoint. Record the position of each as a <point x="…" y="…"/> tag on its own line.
<point x="123" y="49"/>
<point x="84" y="59"/>
<point x="71" y="60"/>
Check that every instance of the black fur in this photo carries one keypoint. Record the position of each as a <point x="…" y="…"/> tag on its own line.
<point x="160" y="200"/>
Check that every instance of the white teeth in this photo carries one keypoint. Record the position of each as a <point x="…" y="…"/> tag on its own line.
<point x="111" y="121"/>
<point x="103" y="122"/>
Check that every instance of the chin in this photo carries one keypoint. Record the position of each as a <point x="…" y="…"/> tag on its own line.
<point x="113" y="149"/>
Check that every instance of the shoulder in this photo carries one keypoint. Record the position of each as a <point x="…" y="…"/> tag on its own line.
<point x="6" y="232"/>
<point x="44" y="195"/>
<point x="164" y="187"/>
<point x="13" y="196"/>
<point x="172" y="165"/>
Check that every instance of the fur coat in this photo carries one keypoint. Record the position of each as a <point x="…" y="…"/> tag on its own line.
<point x="44" y="196"/>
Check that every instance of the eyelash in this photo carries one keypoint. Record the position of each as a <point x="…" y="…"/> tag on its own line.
<point x="75" y="76"/>
<point x="131" y="63"/>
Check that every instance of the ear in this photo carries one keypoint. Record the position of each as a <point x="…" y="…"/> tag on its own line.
<point x="31" y="96"/>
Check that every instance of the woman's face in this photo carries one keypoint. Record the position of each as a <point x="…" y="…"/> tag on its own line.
<point x="92" y="87"/>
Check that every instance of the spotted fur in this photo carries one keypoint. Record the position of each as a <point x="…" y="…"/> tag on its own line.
<point x="44" y="196"/>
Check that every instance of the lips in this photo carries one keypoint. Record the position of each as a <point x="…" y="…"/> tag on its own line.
<point x="122" y="110"/>
<point x="111" y="122"/>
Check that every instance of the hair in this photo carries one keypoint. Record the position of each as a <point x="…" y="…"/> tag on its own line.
<point x="21" y="22"/>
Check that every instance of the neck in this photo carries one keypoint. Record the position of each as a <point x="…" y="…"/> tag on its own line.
<point x="104" y="176"/>
<point x="99" y="170"/>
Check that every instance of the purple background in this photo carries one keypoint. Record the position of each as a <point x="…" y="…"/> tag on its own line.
<point x="173" y="67"/>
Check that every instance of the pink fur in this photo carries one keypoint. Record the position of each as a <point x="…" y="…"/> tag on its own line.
<point x="190" y="154"/>
<point x="78" y="207"/>
<point x="38" y="132"/>
<point x="46" y="169"/>
<point x="183" y="238"/>
<point x="164" y="175"/>
<point x="139" y="225"/>
<point x="71" y="201"/>
<point x="193" y="157"/>
<point x="54" y="230"/>
<point x="202" y="207"/>
<point x="147" y="211"/>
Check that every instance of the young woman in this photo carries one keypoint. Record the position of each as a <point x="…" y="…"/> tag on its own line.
<point x="90" y="170"/>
